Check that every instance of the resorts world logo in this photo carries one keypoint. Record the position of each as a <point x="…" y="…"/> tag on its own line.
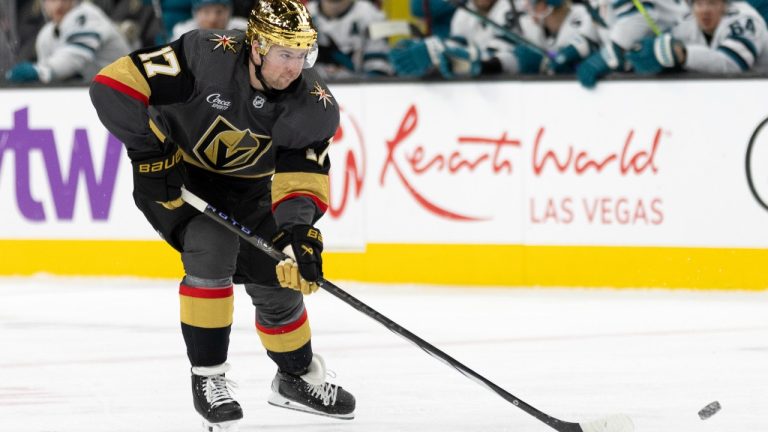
<point x="757" y="164"/>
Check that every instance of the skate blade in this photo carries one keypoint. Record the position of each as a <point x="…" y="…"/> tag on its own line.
<point x="281" y="402"/>
<point x="227" y="426"/>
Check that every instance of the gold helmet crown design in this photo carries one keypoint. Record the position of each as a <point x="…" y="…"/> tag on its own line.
<point x="280" y="22"/>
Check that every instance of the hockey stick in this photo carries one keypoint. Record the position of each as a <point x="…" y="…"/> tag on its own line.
<point x="615" y="423"/>
<point x="507" y="34"/>
<point x="648" y="18"/>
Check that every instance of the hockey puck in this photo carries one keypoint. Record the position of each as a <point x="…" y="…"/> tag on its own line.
<point x="709" y="410"/>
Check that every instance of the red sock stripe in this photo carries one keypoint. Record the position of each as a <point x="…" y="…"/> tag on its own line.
<point x="284" y="329"/>
<point x="210" y="293"/>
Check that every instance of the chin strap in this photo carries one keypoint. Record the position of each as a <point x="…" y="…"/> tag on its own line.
<point x="257" y="69"/>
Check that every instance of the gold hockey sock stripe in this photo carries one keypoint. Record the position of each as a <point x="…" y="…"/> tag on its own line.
<point x="206" y="307"/>
<point x="285" y="338"/>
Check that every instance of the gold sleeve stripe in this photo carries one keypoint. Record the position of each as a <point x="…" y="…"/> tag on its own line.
<point x="123" y="76"/>
<point x="292" y="184"/>
<point x="285" y="338"/>
<point x="206" y="308"/>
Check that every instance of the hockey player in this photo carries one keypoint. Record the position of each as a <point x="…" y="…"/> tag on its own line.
<point x="344" y="46"/>
<point x="621" y="25"/>
<point x="78" y="40"/>
<point x="242" y="120"/>
<point x="473" y="47"/>
<point x="560" y="27"/>
<point x="761" y="6"/>
<point x="210" y="15"/>
<point x="719" y="37"/>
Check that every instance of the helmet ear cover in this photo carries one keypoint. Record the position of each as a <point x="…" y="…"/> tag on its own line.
<point x="286" y="23"/>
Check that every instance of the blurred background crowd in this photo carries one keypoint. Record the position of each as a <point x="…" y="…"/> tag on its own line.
<point x="70" y="40"/>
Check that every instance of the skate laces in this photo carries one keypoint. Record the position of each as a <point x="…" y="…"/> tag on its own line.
<point x="326" y="391"/>
<point x="217" y="390"/>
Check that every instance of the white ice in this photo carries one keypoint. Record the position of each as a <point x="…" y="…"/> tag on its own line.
<point x="81" y="354"/>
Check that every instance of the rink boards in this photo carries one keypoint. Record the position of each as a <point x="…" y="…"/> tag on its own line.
<point x="489" y="183"/>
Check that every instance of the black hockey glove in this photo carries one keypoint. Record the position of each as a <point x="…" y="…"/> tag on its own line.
<point x="304" y="244"/>
<point x="160" y="178"/>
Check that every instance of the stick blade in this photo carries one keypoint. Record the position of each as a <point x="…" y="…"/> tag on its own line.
<point x="614" y="423"/>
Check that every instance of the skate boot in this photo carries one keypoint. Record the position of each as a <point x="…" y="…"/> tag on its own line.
<point x="211" y="395"/>
<point x="311" y="393"/>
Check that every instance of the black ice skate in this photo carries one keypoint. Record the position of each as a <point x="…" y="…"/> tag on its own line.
<point x="311" y="393"/>
<point x="211" y="395"/>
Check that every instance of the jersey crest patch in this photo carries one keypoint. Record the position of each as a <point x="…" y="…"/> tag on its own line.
<point x="322" y="95"/>
<point x="225" y="42"/>
<point x="224" y="148"/>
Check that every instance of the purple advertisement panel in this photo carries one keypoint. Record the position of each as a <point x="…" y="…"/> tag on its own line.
<point x="62" y="175"/>
<point x="22" y="140"/>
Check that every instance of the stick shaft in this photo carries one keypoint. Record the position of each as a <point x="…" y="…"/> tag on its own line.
<point x="392" y="326"/>
<point x="509" y="35"/>
<point x="648" y="19"/>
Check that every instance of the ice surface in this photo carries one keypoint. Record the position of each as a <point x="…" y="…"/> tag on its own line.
<point x="85" y="354"/>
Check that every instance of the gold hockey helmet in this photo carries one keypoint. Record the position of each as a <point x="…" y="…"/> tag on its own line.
<point x="281" y="22"/>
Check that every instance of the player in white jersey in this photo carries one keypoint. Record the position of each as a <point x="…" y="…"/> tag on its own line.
<point x="78" y="40"/>
<point x="345" y="48"/>
<point x="555" y="35"/>
<point x="482" y="40"/>
<point x="719" y="37"/>
<point x="210" y="15"/>
<point x="473" y="48"/>
<point x="561" y="28"/>
<point x="761" y="7"/>
<point x="621" y="25"/>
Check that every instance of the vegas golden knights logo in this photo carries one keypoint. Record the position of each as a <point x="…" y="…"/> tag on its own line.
<point x="224" y="148"/>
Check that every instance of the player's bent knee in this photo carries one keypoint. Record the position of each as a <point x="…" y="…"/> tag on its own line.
<point x="273" y="300"/>
<point x="210" y="250"/>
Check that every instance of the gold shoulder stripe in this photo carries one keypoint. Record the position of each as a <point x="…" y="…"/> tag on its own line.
<point x="123" y="71"/>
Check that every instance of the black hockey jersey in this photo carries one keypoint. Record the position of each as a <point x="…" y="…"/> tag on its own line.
<point x="196" y="92"/>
